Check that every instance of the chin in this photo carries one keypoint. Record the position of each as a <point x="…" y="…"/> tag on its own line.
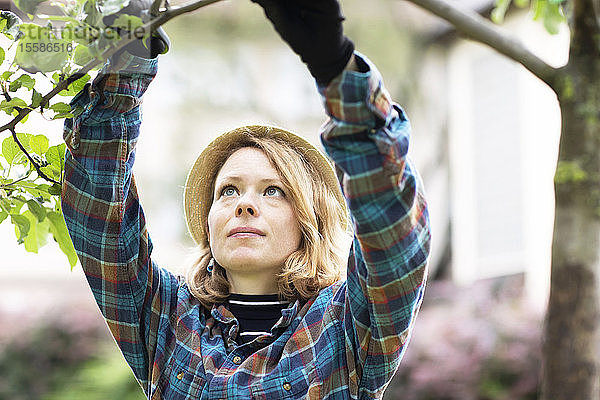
<point x="244" y="261"/>
<point x="248" y="264"/>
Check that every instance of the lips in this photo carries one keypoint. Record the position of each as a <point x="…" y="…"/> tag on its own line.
<point x="243" y="230"/>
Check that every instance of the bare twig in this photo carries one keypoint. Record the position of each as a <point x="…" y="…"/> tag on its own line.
<point x="5" y="94"/>
<point x="481" y="30"/>
<point x="154" y="9"/>
<point x="6" y="185"/>
<point x="30" y="158"/>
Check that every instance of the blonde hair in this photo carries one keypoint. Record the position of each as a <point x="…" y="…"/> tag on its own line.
<point x="322" y="256"/>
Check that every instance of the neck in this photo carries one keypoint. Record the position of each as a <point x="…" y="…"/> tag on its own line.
<point x="252" y="283"/>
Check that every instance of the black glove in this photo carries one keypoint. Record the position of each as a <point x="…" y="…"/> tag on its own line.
<point x="157" y="43"/>
<point x="313" y="29"/>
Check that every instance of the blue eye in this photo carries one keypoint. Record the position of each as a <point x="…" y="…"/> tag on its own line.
<point x="274" y="191"/>
<point x="228" y="191"/>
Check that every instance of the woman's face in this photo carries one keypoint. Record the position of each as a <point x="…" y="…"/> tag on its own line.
<point x="252" y="226"/>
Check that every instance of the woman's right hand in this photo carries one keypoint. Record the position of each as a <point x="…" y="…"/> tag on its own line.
<point x="158" y="43"/>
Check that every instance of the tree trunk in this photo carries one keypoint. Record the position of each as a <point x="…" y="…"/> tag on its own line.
<point x="571" y="349"/>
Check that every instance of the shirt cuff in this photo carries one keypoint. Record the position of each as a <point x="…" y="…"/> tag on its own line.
<point x="127" y="62"/>
<point x="127" y="75"/>
<point x="358" y="97"/>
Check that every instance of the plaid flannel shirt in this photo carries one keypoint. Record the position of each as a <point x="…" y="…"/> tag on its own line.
<point x="345" y="343"/>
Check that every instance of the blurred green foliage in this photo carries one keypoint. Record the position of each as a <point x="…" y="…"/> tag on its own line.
<point x="105" y="376"/>
<point x="36" y="361"/>
<point x="549" y="12"/>
<point x="59" y="360"/>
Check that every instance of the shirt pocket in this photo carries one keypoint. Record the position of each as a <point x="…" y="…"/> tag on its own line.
<point x="179" y="379"/>
<point x="292" y="386"/>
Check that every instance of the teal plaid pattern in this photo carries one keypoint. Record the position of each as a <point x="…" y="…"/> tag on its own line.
<point x="345" y="343"/>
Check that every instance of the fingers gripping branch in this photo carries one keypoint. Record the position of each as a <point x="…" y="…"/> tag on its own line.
<point x="313" y="29"/>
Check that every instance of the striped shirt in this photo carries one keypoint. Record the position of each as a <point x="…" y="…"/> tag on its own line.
<point x="255" y="314"/>
<point x="344" y="343"/>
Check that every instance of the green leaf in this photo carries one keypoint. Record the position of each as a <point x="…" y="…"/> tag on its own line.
<point x="57" y="77"/>
<point x="36" y="209"/>
<point x="76" y="86"/>
<point x="538" y="8"/>
<point x="2" y="55"/>
<point x="27" y="81"/>
<point x="36" y="99"/>
<point x="63" y="115"/>
<point x="61" y="235"/>
<point x="93" y="14"/>
<point x="22" y="225"/>
<point x="39" y="144"/>
<point x="14" y="86"/>
<point x="82" y="55"/>
<point x="38" y="232"/>
<point x="6" y="205"/>
<point x="553" y="17"/>
<point x="40" y="51"/>
<point x="60" y="107"/>
<point x="11" y="152"/>
<point x="55" y="190"/>
<point x="40" y="191"/>
<point x="499" y="11"/>
<point x="55" y="156"/>
<point x="28" y="6"/>
<point x="22" y="81"/>
<point x="8" y="106"/>
<point x="6" y="75"/>
<point x="3" y="215"/>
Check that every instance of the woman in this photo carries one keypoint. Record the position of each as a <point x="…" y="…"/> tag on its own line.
<point x="276" y="305"/>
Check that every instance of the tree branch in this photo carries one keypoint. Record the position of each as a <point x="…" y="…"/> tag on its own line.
<point x="481" y="30"/>
<point x="142" y="31"/>
<point x="146" y="29"/>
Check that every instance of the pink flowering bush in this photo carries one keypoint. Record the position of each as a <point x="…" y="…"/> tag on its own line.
<point x="477" y="343"/>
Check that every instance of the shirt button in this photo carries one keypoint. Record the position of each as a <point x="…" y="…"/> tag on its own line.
<point x="180" y="375"/>
<point x="287" y="386"/>
<point x="237" y="359"/>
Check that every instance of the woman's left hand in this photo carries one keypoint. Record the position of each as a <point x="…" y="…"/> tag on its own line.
<point x="313" y="29"/>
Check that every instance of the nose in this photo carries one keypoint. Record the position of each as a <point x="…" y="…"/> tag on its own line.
<point x="242" y="210"/>
<point x="246" y="207"/>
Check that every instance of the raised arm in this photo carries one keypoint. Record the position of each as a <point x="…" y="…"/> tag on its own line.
<point x="103" y="214"/>
<point x="367" y="136"/>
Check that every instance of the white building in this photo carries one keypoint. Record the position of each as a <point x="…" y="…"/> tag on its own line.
<point x="501" y="126"/>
